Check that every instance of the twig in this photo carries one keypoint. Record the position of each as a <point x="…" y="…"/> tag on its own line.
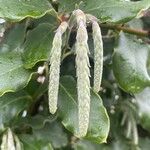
<point x="138" y="32"/>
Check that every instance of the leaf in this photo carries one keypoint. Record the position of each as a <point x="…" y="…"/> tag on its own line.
<point x="13" y="39"/>
<point x="68" y="112"/>
<point x="18" y="10"/>
<point x="38" y="45"/>
<point x="143" y="103"/>
<point x="30" y="142"/>
<point x="129" y="64"/>
<point x="50" y="133"/>
<point x="107" y="10"/>
<point x="87" y="145"/>
<point x="11" y="105"/>
<point x="13" y="76"/>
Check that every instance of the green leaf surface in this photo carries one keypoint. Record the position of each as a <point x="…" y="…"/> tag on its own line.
<point x="30" y="142"/>
<point x="17" y="10"/>
<point x="52" y="132"/>
<point x="143" y="103"/>
<point x="68" y="111"/>
<point x="13" y="76"/>
<point x="107" y="10"/>
<point x="48" y="133"/>
<point x="38" y="45"/>
<point x="130" y="64"/>
<point x="11" y="105"/>
<point x="13" y="38"/>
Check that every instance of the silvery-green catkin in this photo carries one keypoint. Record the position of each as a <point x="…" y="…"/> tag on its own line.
<point x="98" y="55"/>
<point x="10" y="140"/>
<point x="18" y="144"/>
<point x="4" y="142"/>
<point x="55" y="61"/>
<point x="83" y="73"/>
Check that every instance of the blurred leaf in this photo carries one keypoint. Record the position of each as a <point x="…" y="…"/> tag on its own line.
<point x="17" y="10"/>
<point x="68" y="111"/>
<point x="143" y="102"/>
<point x="107" y="10"/>
<point x="30" y="142"/>
<point x="87" y="145"/>
<point x="13" y="76"/>
<point x="144" y="143"/>
<point x="38" y="45"/>
<point x="130" y="64"/>
<point x="11" y="105"/>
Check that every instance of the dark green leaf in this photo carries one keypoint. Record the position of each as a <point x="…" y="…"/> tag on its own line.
<point x="129" y="64"/>
<point x="17" y="10"/>
<point x="13" y="76"/>
<point x="11" y="105"/>
<point x="68" y="111"/>
<point x="107" y="10"/>
<point x="38" y="45"/>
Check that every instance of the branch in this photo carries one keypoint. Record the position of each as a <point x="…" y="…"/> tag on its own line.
<point x="126" y="29"/>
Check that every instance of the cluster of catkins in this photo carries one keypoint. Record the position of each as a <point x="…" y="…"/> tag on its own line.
<point x="82" y="67"/>
<point x="10" y="141"/>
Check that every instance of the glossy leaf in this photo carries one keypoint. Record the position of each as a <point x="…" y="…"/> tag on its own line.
<point x="68" y="111"/>
<point x="38" y="45"/>
<point x="17" y="10"/>
<point x="107" y="10"/>
<point x="11" y="105"/>
<point x="13" y="76"/>
<point x="129" y="64"/>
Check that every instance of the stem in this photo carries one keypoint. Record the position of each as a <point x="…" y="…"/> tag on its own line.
<point x="126" y="29"/>
<point x="67" y="54"/>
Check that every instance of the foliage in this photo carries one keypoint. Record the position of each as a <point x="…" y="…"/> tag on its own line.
<point x="32" y="41"/>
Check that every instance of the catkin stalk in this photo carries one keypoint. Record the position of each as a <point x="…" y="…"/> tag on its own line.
<point x="98" y="55"/>
<point x="55" y="61"/>
<point x="83" y="73"/>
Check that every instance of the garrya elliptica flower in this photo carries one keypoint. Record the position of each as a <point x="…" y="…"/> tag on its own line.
<point x="83" y="73"/>
<point x="98" y="55"/>
<point x="17" y="142"/>
<point x="8" y="141"/>
<point x="55" y="61"/>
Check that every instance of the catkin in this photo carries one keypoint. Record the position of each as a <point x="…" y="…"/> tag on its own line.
<point x="4" y="142"/>
<point x="55" y="61"/>
<point x="83" y="73"/>
<point x="18" y="143"/>
<point x="10" y="140"/>
<point x="98" y="56"/>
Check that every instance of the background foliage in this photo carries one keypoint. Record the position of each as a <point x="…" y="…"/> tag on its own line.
<point x="123" y="104"/>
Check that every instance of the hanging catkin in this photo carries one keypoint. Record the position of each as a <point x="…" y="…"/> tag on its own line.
<point x="10" y="140"/>
<point x="4" y="142"/>
<point x="55" y="61"/>
<point x="83" y="73"/>
<point x="98" y="56"/>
